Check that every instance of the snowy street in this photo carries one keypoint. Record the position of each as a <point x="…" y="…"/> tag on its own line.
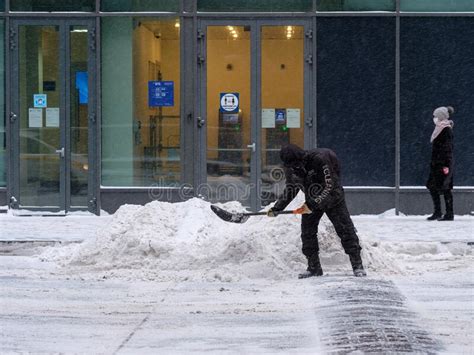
<point x="115" y="285"/>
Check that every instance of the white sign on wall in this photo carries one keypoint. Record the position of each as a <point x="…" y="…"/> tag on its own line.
<point x="52" y="117"/>
<point x="35" y="117"/>
<point x="268" y="118"/>
<point x="293" y="117"/>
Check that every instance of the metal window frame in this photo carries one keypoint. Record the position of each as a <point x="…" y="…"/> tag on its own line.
<point x="15" y="126"/>
<point x="189" y="17"/>
<point x="256" y="24"/>
<point x="65" y="105"/>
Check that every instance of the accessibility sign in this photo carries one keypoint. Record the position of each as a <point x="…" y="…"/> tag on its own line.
<point x="229" y="102"/>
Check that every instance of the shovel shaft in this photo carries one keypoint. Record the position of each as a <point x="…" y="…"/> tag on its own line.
<point x="243" y="217"/>
<point x="264" y="213"/>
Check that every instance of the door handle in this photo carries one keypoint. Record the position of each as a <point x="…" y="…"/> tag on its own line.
<point x="251" y="146"/>
<point x="60" y="152"/>
<point x="201" y="122"/>
<point x="12" y="117"/>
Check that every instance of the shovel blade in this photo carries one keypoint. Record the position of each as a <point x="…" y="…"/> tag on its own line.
<point x="228" y="216"/>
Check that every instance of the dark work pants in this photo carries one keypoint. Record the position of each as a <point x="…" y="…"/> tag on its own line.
<point x="340" y="218"/>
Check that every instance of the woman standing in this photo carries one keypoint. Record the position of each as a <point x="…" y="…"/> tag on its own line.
<point x="441" y="172"/>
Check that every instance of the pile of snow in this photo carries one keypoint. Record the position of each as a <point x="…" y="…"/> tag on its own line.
<point x="187" y="241"/>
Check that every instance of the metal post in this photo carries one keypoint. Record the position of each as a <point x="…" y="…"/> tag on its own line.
<point x="397" y="110"/>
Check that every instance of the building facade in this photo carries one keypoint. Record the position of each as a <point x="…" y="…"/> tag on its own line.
<point x="108" y="102"/>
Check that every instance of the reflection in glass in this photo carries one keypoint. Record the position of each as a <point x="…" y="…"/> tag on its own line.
<point x="252" y="5"/>
<point x="2" y="109"/>
<point x="355" y="5"/>
<point x="282" y="101"/>
<point x="140" y="5"/>
<point x="79" y="99"/>
<point x="140" y="131"/>
<point x="228" y="130"/>
<point x="39" y="136"/>
<point x="442" y="80"/>
<point x="437" y="5"/>
<point x="52" y="5"/>
<point x="356" y="96"/>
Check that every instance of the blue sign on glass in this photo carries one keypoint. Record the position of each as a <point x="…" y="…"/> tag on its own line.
<point x="40" y="100"/>
<point x="229" y="102"/>
<point x="280" y="116"/>
<point x="160" y="93"/>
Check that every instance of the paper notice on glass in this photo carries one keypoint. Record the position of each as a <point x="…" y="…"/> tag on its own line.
<point x="293" y="117"/>
<point x="35" y="117"/>
<point x="52" y="117"/>
<point x="268" y="118"/>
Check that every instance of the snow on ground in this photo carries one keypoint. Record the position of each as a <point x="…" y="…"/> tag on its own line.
<point x="174" y="278"/>
<point x="187" y="241"/>
<point x="72" y="228"/>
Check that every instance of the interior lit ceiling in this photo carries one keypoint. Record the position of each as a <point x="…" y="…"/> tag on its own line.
<point x="242" y="32"/>
<point x="167" y="29"/>
<point x="164" y="29"/>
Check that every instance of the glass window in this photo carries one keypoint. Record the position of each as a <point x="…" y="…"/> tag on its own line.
<point x="355" y="5"/>
<point x="252" y="5"/>
<point x="140" y="5"/>
<point x="2" y="108"/>
<point x="2" y="5"/>
<point x="39" y="139"/>
<point x="228" y="132"/>
<point x="52" y="5"/>
<point x="282" y="101"/>
<point x="140" y="102"/>
<point x="79" y="112"/>
<point x="356" y="96"/>
<point x="436" y="5"/>
<point x="435" y="65"/>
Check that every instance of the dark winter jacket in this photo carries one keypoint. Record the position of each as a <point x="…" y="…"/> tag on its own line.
<point x="321" y="183"/>
<point x="441" y="156"/>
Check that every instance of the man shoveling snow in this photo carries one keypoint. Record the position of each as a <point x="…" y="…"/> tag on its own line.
<point x="317" y="174"/>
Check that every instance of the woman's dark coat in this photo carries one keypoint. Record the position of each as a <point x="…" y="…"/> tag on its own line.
<point x="441" y="156"/>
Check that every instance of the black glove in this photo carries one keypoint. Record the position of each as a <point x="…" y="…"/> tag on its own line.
<point x="272" y="212"/>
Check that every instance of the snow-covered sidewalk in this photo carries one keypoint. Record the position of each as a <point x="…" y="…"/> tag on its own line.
<point x="72" y="228"/>
<point x="173" y="278"/>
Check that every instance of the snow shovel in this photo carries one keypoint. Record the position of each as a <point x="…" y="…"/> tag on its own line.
<point x="242" y="217"/>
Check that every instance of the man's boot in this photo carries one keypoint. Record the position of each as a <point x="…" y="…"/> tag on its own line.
<point x="357" y="267"/>
<point x="314" y="267"/>
<point x="437" y="206"/>
<point x="448" y="199"/>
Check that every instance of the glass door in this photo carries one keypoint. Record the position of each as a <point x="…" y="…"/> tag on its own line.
<point x="282" y="87"/>
<point x="51" y="115"/>
<point x="255" y="79"/>
<point x="229" y="117"/>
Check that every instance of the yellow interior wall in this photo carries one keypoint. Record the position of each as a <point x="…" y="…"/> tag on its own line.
<point x="166" y="55"/>
<point x="170" y="68"/>
<point x="281" y="88"/>
<point x="220" y="53"/>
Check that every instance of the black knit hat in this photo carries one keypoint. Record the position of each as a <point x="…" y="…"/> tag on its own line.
<point x="291" y="154"/>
